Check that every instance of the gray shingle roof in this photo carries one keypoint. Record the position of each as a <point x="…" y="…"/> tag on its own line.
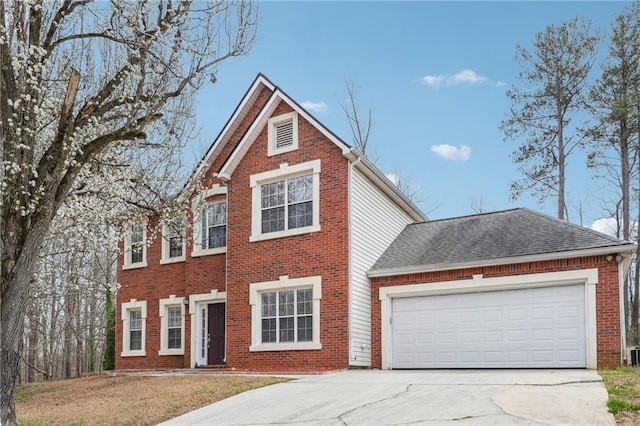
<point x="446" y="243"/>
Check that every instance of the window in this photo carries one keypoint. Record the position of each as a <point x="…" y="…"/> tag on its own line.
<point x="287" y="204"/>
<point x="286" y="201"/>
<point x="135" y="329"/>
<point x="133" y="316"/>
<point x="173" y="241"/>
<point x="172" y="326"/>
<point x="282" y="134"/>
<point x="285" y="314"/>
<point x="214" y="226"/>
<point x="135" y="246"/>
<point x="210" y="223"/>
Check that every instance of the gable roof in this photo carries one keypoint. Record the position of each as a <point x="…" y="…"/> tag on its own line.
<point x="277" y="96"/>
<point x="503" y="237"/>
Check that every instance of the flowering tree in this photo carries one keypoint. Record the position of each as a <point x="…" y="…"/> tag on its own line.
<point x="94" y="98"/>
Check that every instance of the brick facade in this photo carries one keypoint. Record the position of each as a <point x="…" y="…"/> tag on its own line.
<point x="323" y="253"/>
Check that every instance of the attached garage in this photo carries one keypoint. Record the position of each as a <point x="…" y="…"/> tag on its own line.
<point x="542" y="327"/>
<point x="508" y="289"/>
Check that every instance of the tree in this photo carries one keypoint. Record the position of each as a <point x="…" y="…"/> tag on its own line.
<point x="360" y="126"/>
<point x="551" y="90"/>
<point x="615" y="108"/>
<point x="91" y="95"/>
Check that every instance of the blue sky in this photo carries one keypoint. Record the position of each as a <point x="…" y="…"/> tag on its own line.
<point x="434" y="74"/>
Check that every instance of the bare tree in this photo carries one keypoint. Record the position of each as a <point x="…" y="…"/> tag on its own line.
<point x="551" y="88"/>
<point x="91" y="95"/>
<point x="360" y="125"/>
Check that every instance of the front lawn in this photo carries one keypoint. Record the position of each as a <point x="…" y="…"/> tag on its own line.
<point x="125" y="400"/>
<point x="623" y="386"/>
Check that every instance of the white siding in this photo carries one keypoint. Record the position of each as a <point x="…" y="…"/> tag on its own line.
<point x="375" y="222"/>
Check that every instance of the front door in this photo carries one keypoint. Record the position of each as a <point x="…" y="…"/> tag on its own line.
<point x="215" y="337"/>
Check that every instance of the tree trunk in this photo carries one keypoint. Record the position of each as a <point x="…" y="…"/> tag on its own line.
<point x="18" y="266"/>
<point x="561" y="163"/>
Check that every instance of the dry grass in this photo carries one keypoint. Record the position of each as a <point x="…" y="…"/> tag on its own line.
<point x="623" y="386"/>
<point x="125" y="400"/>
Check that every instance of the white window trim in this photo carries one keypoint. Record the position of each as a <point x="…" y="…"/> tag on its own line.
<point x="284" y="172"/>
<point x="197" y="222"/>
<point x="271" y="138"/>
<point x="126" y="307"/>
<point x="284" y="283"/>
<point x="127" y="247"/>
<point x="171" y="301"/>
<point x="166" y="232"/>
<point x="478" y="283"/>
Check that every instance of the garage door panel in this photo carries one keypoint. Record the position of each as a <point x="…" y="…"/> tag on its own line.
<point x="535" y="327"/>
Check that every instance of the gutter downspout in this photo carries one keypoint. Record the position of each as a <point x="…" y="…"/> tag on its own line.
<point x="350" y="222"/>
<point x="624" y="262"/>
<point x="226" y="272"/>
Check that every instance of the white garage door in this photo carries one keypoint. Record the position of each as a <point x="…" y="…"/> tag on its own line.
<point x="526" y="328"/>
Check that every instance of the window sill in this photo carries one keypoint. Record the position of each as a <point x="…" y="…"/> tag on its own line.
<point x="167" y="260"/>
<point x="305" y="346"/>
<point x="133" y="353"/>
<point x="283" y="234"/>
<point x="207" y="252"/>
<point x="171" y="352"/>
<point x="134" y="265"/>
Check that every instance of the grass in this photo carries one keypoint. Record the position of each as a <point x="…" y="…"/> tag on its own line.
<point x="125" y="400"/>
<point x="623" y="386"/>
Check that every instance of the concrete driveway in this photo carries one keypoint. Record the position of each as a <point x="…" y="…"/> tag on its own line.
<point x="374" y="397"/>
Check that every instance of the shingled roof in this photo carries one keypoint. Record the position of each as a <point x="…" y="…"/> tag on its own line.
<point x="488" y="239"/>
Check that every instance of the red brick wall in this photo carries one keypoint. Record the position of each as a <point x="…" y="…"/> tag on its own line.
<point x="322" y="253"/>
<point x="607" y="298"/>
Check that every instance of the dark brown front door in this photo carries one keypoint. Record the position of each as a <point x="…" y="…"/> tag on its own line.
<point x="215" y="350"/>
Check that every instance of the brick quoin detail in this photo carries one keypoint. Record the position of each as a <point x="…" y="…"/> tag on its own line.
<point x="607" y="298"/>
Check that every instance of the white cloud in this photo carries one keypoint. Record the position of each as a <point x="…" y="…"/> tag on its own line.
<point x="461" y="77"/>
<point x="393" y="178"/>
<point x="466" y="76"/>
<point x="433" y="80"/>
<point x="315" y="106"/>
<point x="606" y="225"/>
<point x="452" y="153"/>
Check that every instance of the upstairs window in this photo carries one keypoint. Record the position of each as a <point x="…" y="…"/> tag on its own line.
<point x="287" y="204"/>
<point x="135" y="246"/>
<point x="286" y="201"/>
<point x="173" y="241"/>
<point x="210" y="222"/>
<point x="214" y="226"/>
<point x="282" y="133"/>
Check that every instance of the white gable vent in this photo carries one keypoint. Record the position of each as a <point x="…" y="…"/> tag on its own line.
<point x="283" y="133"/>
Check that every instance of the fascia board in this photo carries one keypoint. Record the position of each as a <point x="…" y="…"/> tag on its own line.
<point x="625" y="250"/>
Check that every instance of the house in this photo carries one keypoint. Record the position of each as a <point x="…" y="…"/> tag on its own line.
<point x="299" y="254"/>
